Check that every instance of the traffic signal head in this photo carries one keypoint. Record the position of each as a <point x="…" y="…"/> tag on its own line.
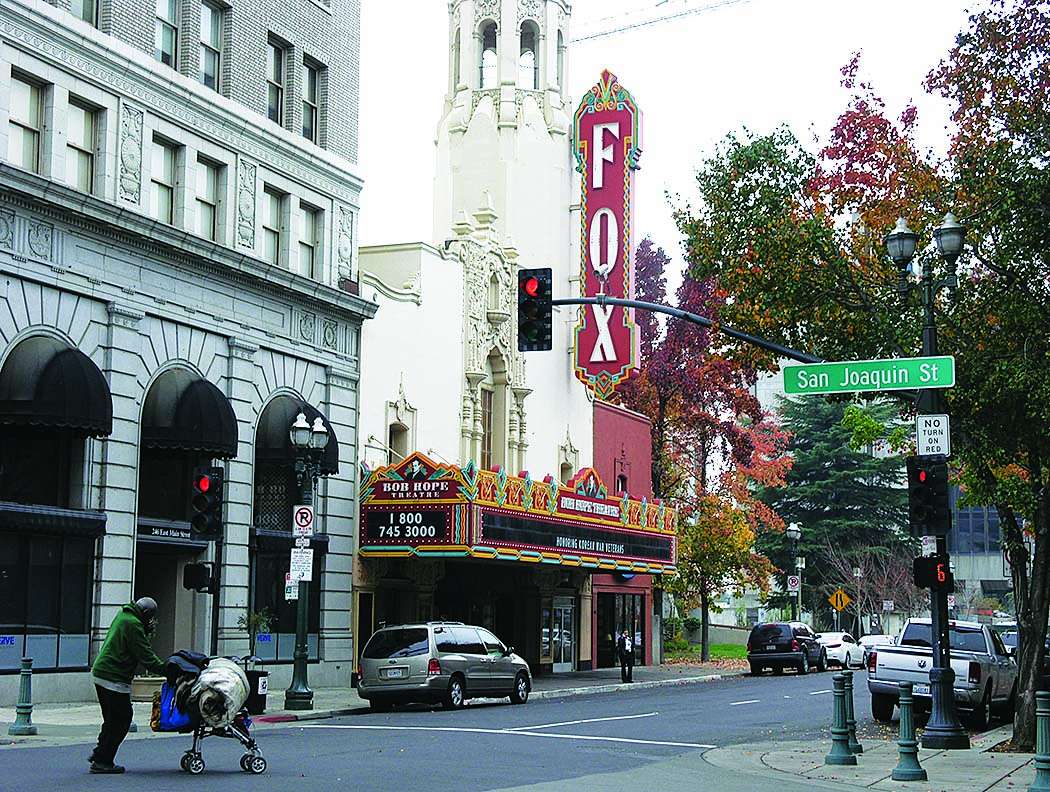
<point x="534" y="309"/>
<point x="928" y="512"/>
<point x="206" y="501"/>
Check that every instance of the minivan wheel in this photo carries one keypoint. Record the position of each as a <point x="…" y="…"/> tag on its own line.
<point x="455" y="695"/>
<point x="803" y="667"/>
<point x="375" y="705"/>
<point x="520" y="694"/>
<point x="756" y="670"/>
<point x="822" y="663"/>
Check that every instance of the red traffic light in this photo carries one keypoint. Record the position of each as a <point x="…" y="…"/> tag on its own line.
<point x="531" y="286"/>
<point x="922" y="476"/>
<point x="203" y="483"/>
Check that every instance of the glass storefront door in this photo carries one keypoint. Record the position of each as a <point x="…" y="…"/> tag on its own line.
<point x="617" y="612"/>
<point x="563" y="634"/>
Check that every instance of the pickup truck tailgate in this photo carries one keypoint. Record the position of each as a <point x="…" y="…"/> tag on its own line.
<point x="901" y="664"/>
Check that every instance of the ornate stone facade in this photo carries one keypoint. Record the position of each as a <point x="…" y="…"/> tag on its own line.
<point x="130" y="153"/>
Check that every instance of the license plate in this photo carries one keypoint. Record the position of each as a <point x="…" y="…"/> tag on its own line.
<point x="921" y="690"/>
<point x="395" y="673"/>
<point x="771" y="648"/>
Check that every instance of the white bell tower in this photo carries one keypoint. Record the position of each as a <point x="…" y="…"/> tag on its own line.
<point x="505" y="125"/>
<point x="504" y="149"/>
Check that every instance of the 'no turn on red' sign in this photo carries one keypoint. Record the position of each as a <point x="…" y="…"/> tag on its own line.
<point x="932" y="435"/>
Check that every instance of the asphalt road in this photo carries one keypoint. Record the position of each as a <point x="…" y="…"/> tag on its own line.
<point x="655" y="737"/>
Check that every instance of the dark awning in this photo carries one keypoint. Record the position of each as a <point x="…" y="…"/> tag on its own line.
<point x="30" y="519"/>
<point x="202" y="420"/>
<point x="273" y="443"/>
<point x="69" y="393"/>
<point x="996" y="586"/>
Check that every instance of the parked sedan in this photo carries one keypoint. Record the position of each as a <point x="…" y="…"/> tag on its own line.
<point x="872" y="642"/>
<point x="842" y="649"/>
<point x="780" y="645"/>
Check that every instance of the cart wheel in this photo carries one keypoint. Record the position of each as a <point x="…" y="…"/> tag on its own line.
<point x="196" y="765"/>
<point x="184" y="763"/>
<point x="256" y="765"/>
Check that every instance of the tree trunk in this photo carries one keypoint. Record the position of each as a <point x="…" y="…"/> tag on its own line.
<point x="1031" y="604"/>
<point x="705" y="624"/>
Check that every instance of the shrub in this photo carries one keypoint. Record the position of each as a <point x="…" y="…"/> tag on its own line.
<point x="692" y="623"/>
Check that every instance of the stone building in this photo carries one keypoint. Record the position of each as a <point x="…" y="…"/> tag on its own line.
<point x="178" y="280"/>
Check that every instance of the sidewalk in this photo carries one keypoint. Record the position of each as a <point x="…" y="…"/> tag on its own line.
<point x="79" y="722"/>
<point x="974" y="770"/>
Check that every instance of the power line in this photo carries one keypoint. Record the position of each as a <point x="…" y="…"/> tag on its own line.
<point x="658" y="20"/>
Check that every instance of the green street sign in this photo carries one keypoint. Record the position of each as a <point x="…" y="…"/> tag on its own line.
<point x="852" y="376"/>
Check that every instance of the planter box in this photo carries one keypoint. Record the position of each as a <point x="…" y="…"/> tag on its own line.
<point x="143" y="687"/>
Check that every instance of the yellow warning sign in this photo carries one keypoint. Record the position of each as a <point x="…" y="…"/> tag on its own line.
<point x="839" y="600"/>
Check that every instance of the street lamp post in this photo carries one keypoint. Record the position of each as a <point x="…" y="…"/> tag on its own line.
<point x="794" y="531"/>
<point x="857" y="576"/>
<point x="943" y="729"/>
<point x="309" y="444"/>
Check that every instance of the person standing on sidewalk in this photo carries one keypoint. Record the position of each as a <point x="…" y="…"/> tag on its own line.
<point x="625" y="648"/>
<point x="127" y="645"/>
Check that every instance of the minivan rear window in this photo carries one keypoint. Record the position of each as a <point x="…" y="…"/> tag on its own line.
<point x="405" y="642"/>
<point x="770" y="632"/>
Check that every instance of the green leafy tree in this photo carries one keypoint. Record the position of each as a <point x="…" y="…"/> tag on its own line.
<point x="795" y="239"/>
<point x="843" y="497"/>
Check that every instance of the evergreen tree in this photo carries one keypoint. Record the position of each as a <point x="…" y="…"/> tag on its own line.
<point x="842" y="497"/>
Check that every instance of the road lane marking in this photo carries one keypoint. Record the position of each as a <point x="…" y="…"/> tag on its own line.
<point x="584" y="720"/>
<point x="818" y="692"/>
<point x="749" y="701"/>
<point x="472" y="730"/>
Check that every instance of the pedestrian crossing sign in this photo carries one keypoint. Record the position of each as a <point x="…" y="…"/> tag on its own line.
<point x="839" y="600"/>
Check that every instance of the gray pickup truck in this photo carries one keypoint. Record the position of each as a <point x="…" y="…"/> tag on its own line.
<point x="985" y="673"/>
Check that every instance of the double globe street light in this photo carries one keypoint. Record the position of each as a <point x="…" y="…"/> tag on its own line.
<point x="309" y="443"/>
<point x="943" y="729"/>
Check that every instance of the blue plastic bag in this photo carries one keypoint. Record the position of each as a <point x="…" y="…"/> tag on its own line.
<point x="171" y="717"/>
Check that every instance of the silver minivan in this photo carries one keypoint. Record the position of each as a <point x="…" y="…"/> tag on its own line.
<point x="446" y="662"/>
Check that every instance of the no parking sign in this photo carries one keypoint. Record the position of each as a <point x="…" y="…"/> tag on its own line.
<point x="302" y="520"/>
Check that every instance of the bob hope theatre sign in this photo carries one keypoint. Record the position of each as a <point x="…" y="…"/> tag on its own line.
<point x="421" y="508"/>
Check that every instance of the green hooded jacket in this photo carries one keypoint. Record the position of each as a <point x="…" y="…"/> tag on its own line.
<point x="126" y="646"/>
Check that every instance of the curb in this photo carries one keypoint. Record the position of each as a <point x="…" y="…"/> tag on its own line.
<point x="290" y="717"/>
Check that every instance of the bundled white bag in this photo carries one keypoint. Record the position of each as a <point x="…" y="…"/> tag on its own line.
<point x="219" y="692"/>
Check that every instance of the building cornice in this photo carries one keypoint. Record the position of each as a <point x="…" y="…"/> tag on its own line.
<point x="64" y="204"/>
<point x="54" y="35"/>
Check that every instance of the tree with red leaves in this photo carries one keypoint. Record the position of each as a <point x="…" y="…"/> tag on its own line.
<point x="713" y="444"/>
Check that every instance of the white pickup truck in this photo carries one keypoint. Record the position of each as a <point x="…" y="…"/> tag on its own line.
<point x="985" y="673"/>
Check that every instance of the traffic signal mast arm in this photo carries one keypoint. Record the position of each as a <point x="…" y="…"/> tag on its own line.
<point x="703" y="321"/>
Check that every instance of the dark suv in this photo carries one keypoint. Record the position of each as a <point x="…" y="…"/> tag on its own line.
<point x="780" y="645"/>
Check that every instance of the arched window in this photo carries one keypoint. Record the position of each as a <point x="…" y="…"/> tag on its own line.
<point x="529" y="59"/>
<point x="494" y="412"/>
<point x="396" y="443"/>
<point x="621" y="484"/>
<point x="455" y="62"/>
<point x="561" y="61"/>
<point x="565" y="472"/>
<point x="489" y="62"/>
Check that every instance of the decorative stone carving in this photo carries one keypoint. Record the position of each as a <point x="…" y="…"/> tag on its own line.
<point x="486" y="9"/>
<point x="124" y="316"/>
<point x="130" y="153"/>
<point x="243" y="350"/>
<point x="530" y="9"/>
<point x="7" y="230"/>
<point x="307" y="326"/>
<point x="246" y="205"/>
<point x="40" y="239"/>
<point x="330" y="333"/>
<point x="344" y="249"/>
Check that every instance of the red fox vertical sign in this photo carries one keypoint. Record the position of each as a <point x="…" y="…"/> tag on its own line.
<point x="607" y="147"/>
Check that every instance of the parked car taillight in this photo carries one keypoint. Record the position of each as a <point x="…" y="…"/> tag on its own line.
<point x="974" y="675"/>
<point x="873" y="658"/>
<point x="749" y="646"/>
<point x="433" y="667"/>
<point x="794" y="645"/>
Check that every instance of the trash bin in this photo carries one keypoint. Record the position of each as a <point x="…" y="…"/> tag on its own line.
<point x="258" y="685"/>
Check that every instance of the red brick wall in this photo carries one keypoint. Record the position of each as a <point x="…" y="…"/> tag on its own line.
<point x="623" y="444"/>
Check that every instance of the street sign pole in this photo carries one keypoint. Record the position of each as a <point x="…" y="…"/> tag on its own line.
<point x="943" y="729"/>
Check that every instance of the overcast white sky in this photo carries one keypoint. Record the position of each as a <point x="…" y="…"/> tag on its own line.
<point x="753" y="63"/>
